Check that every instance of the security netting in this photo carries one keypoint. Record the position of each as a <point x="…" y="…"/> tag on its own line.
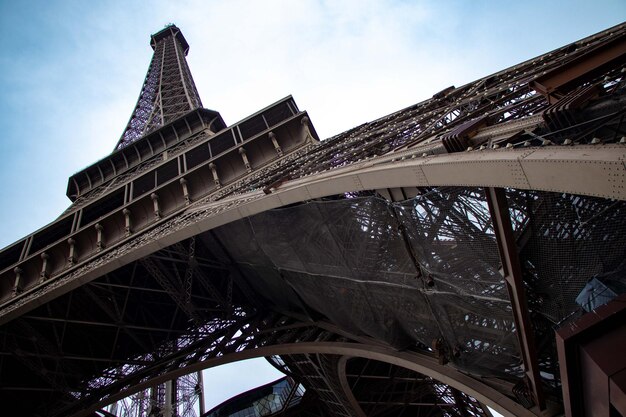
<point x="426" y="272"/>
<point x="564" y="242"/>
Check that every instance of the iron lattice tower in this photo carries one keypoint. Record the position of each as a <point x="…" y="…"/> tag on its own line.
<point x="168" y="91"/>
<point x="441" y="243"/>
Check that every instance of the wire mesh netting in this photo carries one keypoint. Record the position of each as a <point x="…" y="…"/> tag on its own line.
<point x="451" y="233"/>
<point x="564" y="242"/>
<point x="348" y="260"/>
<point x="426" y="270"/>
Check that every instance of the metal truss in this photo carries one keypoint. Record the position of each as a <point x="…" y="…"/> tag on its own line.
<point x="140" y="363"/>
<point x="114" y="317"/>
<point x="182" y="397"/>
<point x="504" y="105"/>
<point x="364" y="387"/>
<point x="370" y="295"/>
<point x="382" y="389"/>
<point x="168" y="91"/>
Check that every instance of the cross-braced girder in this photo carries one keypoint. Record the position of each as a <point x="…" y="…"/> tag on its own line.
<point x="386" y="240"/>
<point x="168" y="91"/>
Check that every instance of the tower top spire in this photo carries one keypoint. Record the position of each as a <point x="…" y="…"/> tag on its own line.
<point x="169" y="30"/>
<point x="168" y="91"/>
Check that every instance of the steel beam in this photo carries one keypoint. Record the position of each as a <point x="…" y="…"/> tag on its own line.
<point x="409" y="360"/>
<point x="557" y="169"/>
<point x="557" y="82"/>
<point x="113" y="315"/>
<point x="103" y="324"/>
<point x="160" y="275"/>
<point x="512" y="272"/>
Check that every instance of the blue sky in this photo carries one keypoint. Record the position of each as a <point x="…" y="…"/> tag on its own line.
<point x="71" y="71"/>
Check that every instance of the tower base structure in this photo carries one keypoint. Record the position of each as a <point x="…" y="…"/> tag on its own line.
<point x="416" y="264"/>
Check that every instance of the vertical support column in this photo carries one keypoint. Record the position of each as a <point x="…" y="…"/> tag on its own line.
<point x="127" y="225"/>
<point x="154" y="401"/>
<point x="44" y="275"/>
<point x="200" y="392"/>
<point x="71" y="258"/>
<point x="155" y="203"/>
<point x="216" y="179"/>
<point x="17" y="285"/>
<point x="244" y="157"/>
<point x="512" y="273"/>
<point x="167" y="406"/>
<point x="277" y="147"/>
<point x="183" y="183"/>
<point x="174" y="397"/>
<point x="99" y="244"/>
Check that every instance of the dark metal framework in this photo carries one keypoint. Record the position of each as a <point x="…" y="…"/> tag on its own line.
<point x="168" y="91"/>
<point x="384" y="294"/>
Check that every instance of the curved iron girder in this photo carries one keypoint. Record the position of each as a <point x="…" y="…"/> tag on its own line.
<point x="410" y="360"/>
<point x="345" y="386"/>
<point x="587" y="170"/>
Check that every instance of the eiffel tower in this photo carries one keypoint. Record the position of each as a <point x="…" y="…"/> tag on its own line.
<point x="418" y="264"/>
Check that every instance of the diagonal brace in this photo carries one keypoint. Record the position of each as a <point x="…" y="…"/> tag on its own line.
<point x="512" y="272"/>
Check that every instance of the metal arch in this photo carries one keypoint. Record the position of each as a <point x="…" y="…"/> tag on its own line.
<point x="318" y="373"/>
<point x="345" y="385"/>
<point x="554" y="169"/>
<point x="410" y="360"/>
<point x="586" y="170"/>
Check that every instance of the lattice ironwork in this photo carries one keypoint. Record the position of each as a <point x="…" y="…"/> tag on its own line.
<point x="506" y="100"/>
<point x="184" y="392"/>
<point x="168" y="91"/>
<point x="413" y="269"/>
<point x="387" y="390"/>
<point x="347" y="260"/>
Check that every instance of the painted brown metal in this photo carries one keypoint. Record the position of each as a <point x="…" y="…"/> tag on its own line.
<point x="592" y="361"/>
<point x="565" y="77"/>
<point x="345" y="386"/>
<point x="168" y="91"/>
<point x="548" y="168"/>
<point x="124" y="219"/>
<point x="512" y="274"/>
<point x="414" y="361"/>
